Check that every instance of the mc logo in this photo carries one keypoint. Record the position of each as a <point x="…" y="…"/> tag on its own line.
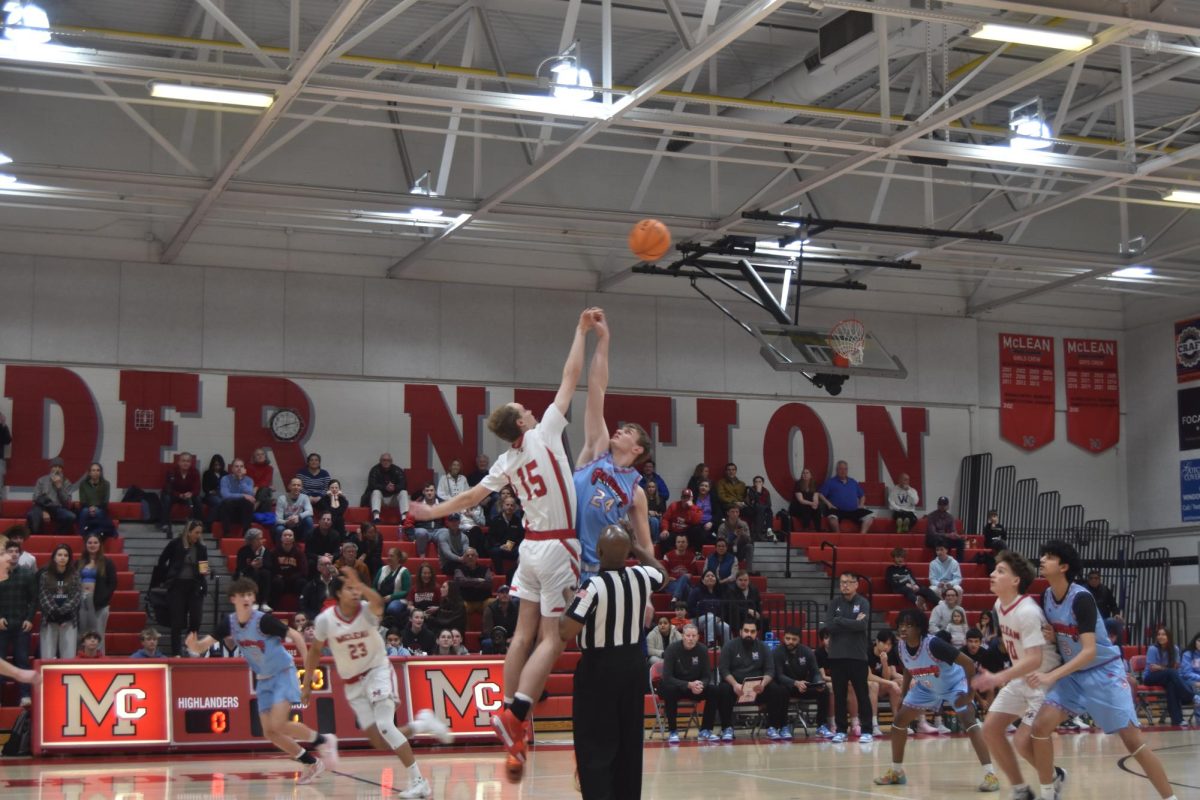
<point x="93" y="704"/>
<point x="478" y="691"/>
<point x="120" y="698"/>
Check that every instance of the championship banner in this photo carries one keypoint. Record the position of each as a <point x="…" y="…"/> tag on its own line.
<point x="1027" y="390"/>
<point x="1093" y="393"/>
<point x="1187" y="350"/>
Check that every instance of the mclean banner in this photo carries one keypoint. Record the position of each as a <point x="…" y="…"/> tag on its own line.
<point x="1187" y="350"/>
<point x="134" y="421"/>
<point x="1093" y="393"/>
<point x="1027" y="390"/>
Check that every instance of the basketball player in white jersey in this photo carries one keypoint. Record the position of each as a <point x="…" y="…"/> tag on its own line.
<point x="547" y="576"/>
<point x="1029" y="649"/>
<point x="351" y="631"/>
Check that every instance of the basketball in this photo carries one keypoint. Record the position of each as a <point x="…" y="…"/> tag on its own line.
<point x="650" y="240"/>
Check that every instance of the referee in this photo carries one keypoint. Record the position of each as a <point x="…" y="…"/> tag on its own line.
<point x="610" y="683"/>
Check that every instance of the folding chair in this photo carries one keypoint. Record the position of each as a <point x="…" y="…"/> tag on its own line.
<point x="1144" y="695"/>
<point x="660" y="707"/>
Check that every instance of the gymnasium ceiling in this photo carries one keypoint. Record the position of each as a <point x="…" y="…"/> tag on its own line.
<point x="712" y="112"/>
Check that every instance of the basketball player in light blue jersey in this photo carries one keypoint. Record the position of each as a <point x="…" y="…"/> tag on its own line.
<point x="936" y="673"/>
<point x="259" y="637"/>
<point x="606" y="472"/>
<point x="1091" y="678"/>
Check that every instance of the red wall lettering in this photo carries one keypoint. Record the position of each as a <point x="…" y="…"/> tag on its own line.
<point x="655" y="414"/>
<point x="433" y="423"/>
<point x="881" y="444"/>
<point x="32" y="390"/>
<point x="716" y="417"/>
<point x="253" y="400"/>
<point x="777" y="446"/>
<point x="145" y="395"/>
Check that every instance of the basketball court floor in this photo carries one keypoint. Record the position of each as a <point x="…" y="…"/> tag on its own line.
<point x="936" y="767"/>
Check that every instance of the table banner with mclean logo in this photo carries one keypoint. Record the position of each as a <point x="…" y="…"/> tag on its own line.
<point x="1187" y="350"/>
<point x="1093" y="393"/>
<point x="1027" y="390"/>
<point x="211" y="704"/>
<point x="1189" y="489"/>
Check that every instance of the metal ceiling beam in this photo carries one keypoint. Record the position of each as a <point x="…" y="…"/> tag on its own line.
<point x="489" y="37"/>
<point x="564" y="41"/>
<point x="468" y="58"/>
<point x="342" y="18"/>
<point x="367" y="32"/>
<point x="146" y="127"/>
<point x="1181" y="67"/>
<point x="229" y="25"/>
<point x="684" y="61"/>
<point x="1106" y="12"/>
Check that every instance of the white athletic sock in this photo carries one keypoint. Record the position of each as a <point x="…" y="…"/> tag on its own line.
<point x="1047" y="791"/>
<point x="897" y="767"/>
<point x="414" y="772"/>
<point x="1019" y="789"/>
<point x="988" y="770"/>
<point x="524" y="697"/>
<point x="874" y="722"/>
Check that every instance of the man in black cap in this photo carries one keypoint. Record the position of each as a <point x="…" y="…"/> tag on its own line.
<point x="943" y="528"/>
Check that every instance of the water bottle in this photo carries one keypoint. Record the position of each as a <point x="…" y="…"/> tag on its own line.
<point x="770" y="641"/>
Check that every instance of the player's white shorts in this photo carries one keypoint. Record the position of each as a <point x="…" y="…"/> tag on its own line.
<point x="548" y="574"/>
<point x="377" y="686"/>
<point x="1019" y="699"/>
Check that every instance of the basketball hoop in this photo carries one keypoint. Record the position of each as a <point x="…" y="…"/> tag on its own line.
<point x="848" y="339"/>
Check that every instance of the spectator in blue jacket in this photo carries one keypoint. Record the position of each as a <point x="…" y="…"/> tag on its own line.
<point x="237" y="497"/>
<point x="847" y="500"/>
<point x="650" y="476"/>
<point x="1191" y="662"/>
<point x="1165" y="668"/>
<point x="723" y="563"/>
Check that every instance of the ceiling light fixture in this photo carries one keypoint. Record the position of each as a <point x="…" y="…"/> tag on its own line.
<point x="421" y="186"/>
<point x="1034" y="37"/>
<point x="1028" y="124"/>
<point x="1134" y="272"/>
<point x="26" y="23"/>
<point x="572" y="82"/>
<point x="1183" y="196"/>
<point x="208" y="94"/>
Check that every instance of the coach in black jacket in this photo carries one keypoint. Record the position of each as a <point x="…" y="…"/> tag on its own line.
<point x="687" y="674"/>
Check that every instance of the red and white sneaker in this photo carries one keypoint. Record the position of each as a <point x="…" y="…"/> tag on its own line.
<point x="511" y="732"/>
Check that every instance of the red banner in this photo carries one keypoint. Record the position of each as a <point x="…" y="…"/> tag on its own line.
<point x="1093" y="393"/>
<point x="1027" y="390"/>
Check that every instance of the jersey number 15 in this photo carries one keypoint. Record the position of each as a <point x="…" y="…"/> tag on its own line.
<point x="529" y="477"/>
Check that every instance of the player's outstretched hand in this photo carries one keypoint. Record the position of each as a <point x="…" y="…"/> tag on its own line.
<point x="305" y="693"/>
<point x="29" y="676"/>
<point x="587" y="318"/>
<point x="417" y="512"/>
<point x="983" y="682"/>
<point x="350" y="575"/>
<point x="600" y="322"/>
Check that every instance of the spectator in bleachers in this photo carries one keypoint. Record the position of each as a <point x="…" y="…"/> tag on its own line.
<point x="806" y="503"/>
<point x="394" y="644"/>
<point x="325" y="540"/>
<point x="262" y="473"/>
<point x="416" y="637"/>
<point x="386" y="485"/>
<point x="450" y="612"/>
<point x="660" y="637"/>
<point x="5" y="441"/>
<point x="471" y="522"/>
<point x="705" y="607"/>
<point x="655" y="508"/>
<point x="797" y="675"/>
<point x="314" y="479"/>
<point x="237" y="498"/>
<point x="903" y="500"/>
<point x="149" y="648"/>
<point x="90" y="646"/>
<point x="502" y="495"/>
<point x="370" y="546"/>
<point x="500" y="612"/>
<point x="445" y="644"/>
<point x="846" y="500"/>
<point x="900" y="580"/>
<point x="425" y="532"/>
<point x="679" y="563"/>
<point x="317" y="596"/>
<point x="700" y="473"/>
<point x="758" y="513"/>
<point x="986" y="658"/>
<point x="944" y="572"/>
<point x="650" y="476"/>
<point x="747" y="670"/>
<point x="452" y="544"/>
<point x="722" y="563"/>
<point x="736" y="532"/>
<point x="18" y="604"/>
<point x="958" y="627"/>
<point x="479" y="473"/>
<point x="424" y="592"/>
<point x="256" y="562"/>
<point x="1106" y="602"/>
<point x="847" y="621"/>
<point x="291" y="567"/>
<point x="94" y="492"/>
<point x="505" y="534"/>
<point x="210" y="483"/>
<point x="730" y="491"/>
<point x="942" y="527"/>
<point x="293" y="509"/>
<point x="1190" y="660"/>
<point x="393" y="582"/>
<point x="744" y="603"/>
<point x="884" y="676"/>
<point x="299" y="620"/>
<point x="474" y="581"/>
<point x="16" y="536"/>
<point x="988" y="634"/>
<point x="687" y="674"/>
<point x="333" y="502"/>
<point x="52" y="498"/>
<point x="994" y="535"/>
<point x="453" y="483"/>
<point x="680" y="619"/>
<point x="348" y="557"/>
<point x="456" y="640"/>
<point x="184" y="566"/>
<point x="683" y="517"/>
<point x="939" y="618"/>
<point x="1165" y="668"/>
<point x="182" y="487"/>
<point x="708" y="510"/>
<point x="59" y="596"/>
<point x="98" y="580"/>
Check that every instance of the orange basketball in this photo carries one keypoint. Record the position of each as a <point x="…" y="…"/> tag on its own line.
<point x="650" y="240"/>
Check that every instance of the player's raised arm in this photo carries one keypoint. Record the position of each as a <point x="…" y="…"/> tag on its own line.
<point x="573" y="367"/>
<point x="373" y="598"/>
<point x="461" y="502"/>
<point x="297" y="640"/>
<point x="595" y="429"/>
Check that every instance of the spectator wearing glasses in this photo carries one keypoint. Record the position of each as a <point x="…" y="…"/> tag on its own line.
<point x="847" y="620"/>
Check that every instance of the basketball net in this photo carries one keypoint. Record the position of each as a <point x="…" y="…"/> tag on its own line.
<point x="848" y="339"/>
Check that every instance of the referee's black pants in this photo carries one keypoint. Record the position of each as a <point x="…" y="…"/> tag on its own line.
<point x="608" y="707"/>
<point x="843" y="671"/>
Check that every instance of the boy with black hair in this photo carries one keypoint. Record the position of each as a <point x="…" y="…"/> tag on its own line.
<point x="900" y="579"/>
<point x="1091" y="678"/>
<point x="797" y="674"/>
<point x="935" y="673"/>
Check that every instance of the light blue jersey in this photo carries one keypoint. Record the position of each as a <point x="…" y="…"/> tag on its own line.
<point x="264" y="653"/>
<point x="1061" y="617"/>
<point x="929" y="671"/>
<point x="603" y="491"/>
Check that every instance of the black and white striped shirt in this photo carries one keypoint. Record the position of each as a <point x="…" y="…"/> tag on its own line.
<point x="612" y="606"/>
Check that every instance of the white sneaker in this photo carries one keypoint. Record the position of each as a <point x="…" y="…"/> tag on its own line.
<point x="329" y="751"/>
<point x="432" y="725"/>
<point x="311" y="771"/>
<point x="875" y="731"/>
<point x="417" y="788"/>
<point x="942" y="729"/>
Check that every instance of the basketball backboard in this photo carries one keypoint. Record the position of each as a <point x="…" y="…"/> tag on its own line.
<point x="792" y="348"/>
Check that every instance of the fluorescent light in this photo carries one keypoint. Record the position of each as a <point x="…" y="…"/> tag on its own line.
<point x="26" y="23"/>
<point x="572" y="82"/>
<point x="1182" y="196"/>
<point x="4" y="159"/>
<point x="207" y="94"/>
<point x="1034" y="37"/>
<point x="7" y="180"/>
<point x="1133" y="272"/>
<point x="426" y="213"/>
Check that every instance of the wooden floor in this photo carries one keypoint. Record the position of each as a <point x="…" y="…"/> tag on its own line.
<point x="937" y="768"/>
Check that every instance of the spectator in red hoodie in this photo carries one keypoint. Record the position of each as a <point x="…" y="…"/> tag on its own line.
<point x="683" y="517"/>
<point x="182" y="488"/>
<point x="679" y="563"/>
<point x="262" y="473"/>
